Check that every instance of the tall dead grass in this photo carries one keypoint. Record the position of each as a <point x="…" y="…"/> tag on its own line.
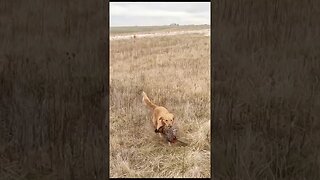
<point x="175" y="72"/>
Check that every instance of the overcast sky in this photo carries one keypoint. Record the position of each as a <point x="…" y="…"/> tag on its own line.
<point x="158" y="13"/>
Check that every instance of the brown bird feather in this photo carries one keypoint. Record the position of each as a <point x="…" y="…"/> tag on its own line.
<point x="170" y="134"/>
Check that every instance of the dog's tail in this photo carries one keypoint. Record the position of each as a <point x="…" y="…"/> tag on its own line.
<point x="147" y="101"/>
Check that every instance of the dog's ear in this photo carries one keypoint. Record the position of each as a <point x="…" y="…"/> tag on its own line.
<point x="161" y="121"/>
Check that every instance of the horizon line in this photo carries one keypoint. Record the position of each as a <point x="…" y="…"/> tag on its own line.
<point x="159" y="25"/>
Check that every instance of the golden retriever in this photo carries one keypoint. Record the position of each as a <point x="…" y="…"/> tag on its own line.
<point x="160" y="115"/>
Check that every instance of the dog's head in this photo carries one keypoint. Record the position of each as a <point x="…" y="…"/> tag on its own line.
<point x="167" y="119"/>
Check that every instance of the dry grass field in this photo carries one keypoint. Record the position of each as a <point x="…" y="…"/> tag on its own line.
<point x="148" y="29"/>
<point x="175" y="72"/>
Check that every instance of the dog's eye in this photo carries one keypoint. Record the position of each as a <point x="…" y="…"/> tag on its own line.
<point x="166" y="120"/>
